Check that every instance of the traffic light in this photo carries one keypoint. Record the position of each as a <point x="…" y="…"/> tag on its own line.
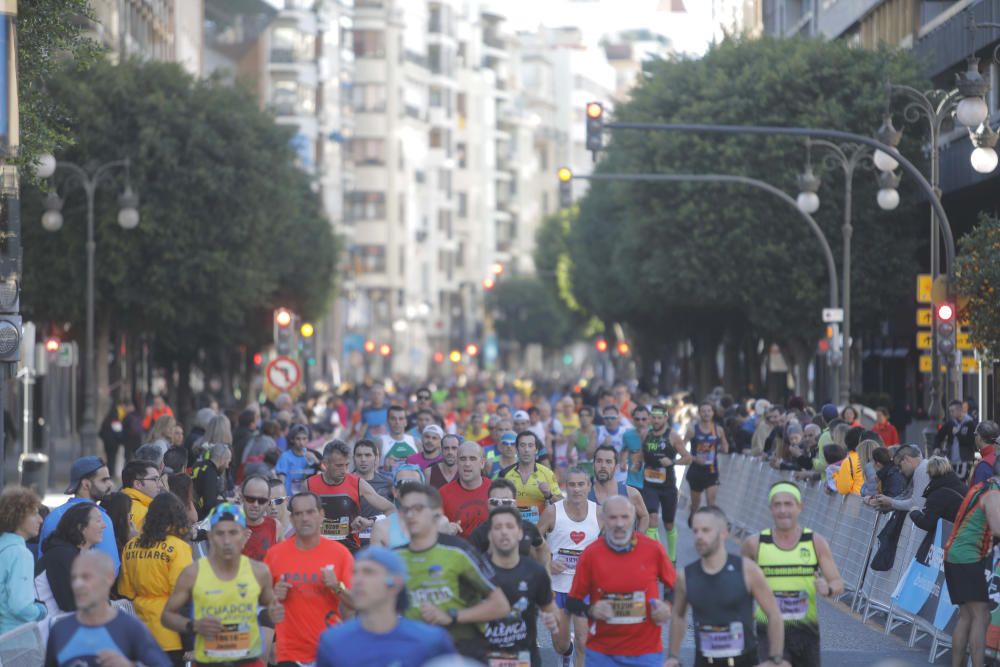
<point x="601" y="345"/>
<point x="833" y="341"/>
<point x="10" y="322"/>
<point x="283" y="332"/>
<point x="472" y="349"/>
<point x="455" y="356"/>
<point x="595" y="127"/>
<point x="944" y="326"/>
<point x="565" y="187"/>
<point x="52" y="344"/>
<point x="489" y="283"/>
<point x="308" y="343"/>
<point x="623" y="348"/>
<point x="369" y="346"/>
<point x="258" y="359"/>
<point x="497" y="268"/>
<point x="385" y="349"/>
<point x="438" y="357"/>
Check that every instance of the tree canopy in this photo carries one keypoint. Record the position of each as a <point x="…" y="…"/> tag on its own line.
<point x="978" y="277"/>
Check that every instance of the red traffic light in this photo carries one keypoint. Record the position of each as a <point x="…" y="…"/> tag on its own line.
<point x="369" y="346"/>
<point x="945" y="312"/>
<point x="601" y="345"/>
<point x="385" y="349"/>
<point x="258" y="359"/>
<point x="472" y="349"/>
<point x="489" y="283"/>
<point x="283" y="317"/>
<point x="623" y="348"/>
<point x="595" y="110"/>
<point x="52" y="344"/>
<point x="439" y="357"/>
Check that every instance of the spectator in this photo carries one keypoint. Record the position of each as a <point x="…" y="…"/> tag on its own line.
<point x="132" y="428"/>
<point x="219" y="431"/>
<point x="868" y="470"/>
<point x="886" y="431"/>
<point x="987" y="433"/>
<point x="19" y="521"/>
<point x="208" y="478"/>
<point x="180" y="485"/>
<point x="162" y="433"/>
<point x="246" y="429"/>
<point x="254" y="450"/>
<point x="197" y="433"/>
<point x="834" y="455"/>
<point x="155" y="411"/>
<point x="296" y="463"/>
<point x="850" y="416"/>
<point x="914" y="468"/>
<point x="89" y="482"/>
<point x="117" y="506"/>
<point x="943" y="496"/>
<point x="99" y="633"/>
<point x="765" y="427"/>
<point x="141" y="482"/>
<point x="152" y="454"/>
<point x="956" y="439"/>
<point x="151" y="565"/>
<point x="849" y="477"/>
<point x="891" y="481"/>
<point x="175" y="460"/>
<point x="80" y="528"/>
<point x="113" y="435"/>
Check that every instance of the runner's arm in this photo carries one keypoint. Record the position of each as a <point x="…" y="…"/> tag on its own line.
<point x="547" y="521"/>
<point x="172" y="618"/>
<point x="762" y="593"/>
<point x="723" y="441"/>
<point x="749" y="547"/>
<point x="380" y="535"/>
<point x="374" y="499"/>
<point x="827" y="567"/>
<point x="560" y="639"/>
<point x="991" y="505"/>
<point x="492" y="607"/>
<point x="678" y="621"/>
<point x="641" y="513"/>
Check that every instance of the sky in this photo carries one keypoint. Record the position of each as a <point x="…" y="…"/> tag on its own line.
<point x="690" y="31"/>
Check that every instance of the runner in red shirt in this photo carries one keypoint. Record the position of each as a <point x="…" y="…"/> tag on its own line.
<point x="466" y="498"/>
<point x="616" y="585"/>
<point x="255" y="496"/>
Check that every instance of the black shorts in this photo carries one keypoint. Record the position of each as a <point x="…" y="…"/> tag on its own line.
<point x="661" y="498"/>
<point x="748" y="659"/>
<point x="801" y="645"/>
<point x="968" y="582"/>
<point x="700" y="477"/>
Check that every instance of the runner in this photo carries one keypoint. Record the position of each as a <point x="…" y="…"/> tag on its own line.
<point x="466" y="499"/>
<point x="968" y="568"/>
<point x="526" y="584"/>
<point x="705" y="439"/>
<point x="536" y="485"/>
<point x="397" y="444"/>
<point x="633" y="446"/>
<point x="391" y="531"/>
<point x="262" y="529"/>
<point x="798" y="564"/>
<point x="662" y="450"/>
<point x="721" y="590"/>
<point x="444" y="471"/>
<point x="99" y="633"/>
<point x="377" y="636"/>
<point x="605" y="486"/>
<point x="503" y="493"/>
<point x="366" y="458"/>
<point x="612" y="434"/>
<point x="311" y="577"/>
<point x="585" y="439"/>
<point x="422" y="420"/>
<point x="617" y="586"/>
<point x="570" y="526"/>
<point x="296" y="463"/>
<point x="430" y="447"/>
<point x="506" y="454"/>
<point x="341" y="492"/>
<point x="224" y="589"/>
<point x="449" y="583"/>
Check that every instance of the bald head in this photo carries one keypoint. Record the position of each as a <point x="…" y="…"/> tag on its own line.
<point x="619" y="521"/>
<point x="98" y="561"/>
<point x="91" y="578"/>
<point x="470" y="448"/>
<point x="614" y="504"/>
<point x="469" y="459"/>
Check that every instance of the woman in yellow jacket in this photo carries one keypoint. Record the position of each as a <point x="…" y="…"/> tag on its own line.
<point x="151" y="565"/>
<point x="850" y="478"/>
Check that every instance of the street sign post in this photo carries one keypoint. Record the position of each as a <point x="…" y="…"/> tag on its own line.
<point x="924" y="318"/>
<point x="283" y="374"/>
<point x="833" y="315"/>
<point x="923" y="340"/>
<point x="925" y="286"/>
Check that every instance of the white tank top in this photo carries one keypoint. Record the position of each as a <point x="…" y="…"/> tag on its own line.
<point x="567" y="541"/>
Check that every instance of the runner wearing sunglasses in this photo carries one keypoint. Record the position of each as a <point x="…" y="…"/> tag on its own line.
<point x="503" y="493"/>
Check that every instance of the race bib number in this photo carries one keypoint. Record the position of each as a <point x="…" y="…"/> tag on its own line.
<point x="568" y="557"/>
<point x="656" y="475"/>
<point x="232" y="642"/>
<point x="529" y="514"/>
<point x="794" y="605"/>
<point x="709" y="456"/>
<point x="721" y="641"/>
<point x="337" y="529"/>
<point x="628" y="608"/>
<point x="520" y="659"/>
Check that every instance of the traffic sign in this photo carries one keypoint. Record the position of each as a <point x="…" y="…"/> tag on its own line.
<point x="923" y="340"/>
<point x="925" y="364"/>
<point x="924" y="287"/>
<point x="833" y="315"/>
<point x="962" y="341"/>
<point x="283" y="373"/>
<point x="970" y="365"/>
<point x="924" y="318"/>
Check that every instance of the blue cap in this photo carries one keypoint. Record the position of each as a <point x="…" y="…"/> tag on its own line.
<point x="393" y="564"/>
<point x="83" y="466"/>
<point x="408" y="466"/>
<point x="227" y="512"/>
<point x="508" y="438"/>
<point x="829" y="412"/>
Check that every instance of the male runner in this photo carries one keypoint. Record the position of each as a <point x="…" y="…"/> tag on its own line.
<point x="605" y="486"/>
<point x="466" y="498"/>
<point x="798" y="564"/>
<point x="225" y="588"/>
<point x="430" y="447"/>
<point x="255" y="495"/>
<point x="397" y="444"/>
<point x="450" y="584"/>
<point x="366" y="466"/>
<point x="503" y="493"/>
<point x="633" y="445"/>
<point x="612" y="433"/>
<point x="506" y="454"/>
<point x="706" y="440"/>
<point x="341" y="492"/>
<point x="528" y="589"/>
<point x="391" y="532"/>
<point x="721" y="590"/>
<point x="444" y="471"/>
<point x="662" y="450"/>
<point x="570" y="526"/>
<point x="617" y="585"/>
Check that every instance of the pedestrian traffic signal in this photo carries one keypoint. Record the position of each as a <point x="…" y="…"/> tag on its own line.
<point x="283" y="332"/>
<point x="601" y="345"/>
<point x="944" y="326"/>
<point x="595" y="127"/>
<point x="565" y="187"/>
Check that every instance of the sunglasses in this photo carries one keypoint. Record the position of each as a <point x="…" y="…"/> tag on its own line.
<point x="502" y="502"/>
<point x="278" y="501"/>
<point x="254" y="500"/>
<point x="423" y="397"/>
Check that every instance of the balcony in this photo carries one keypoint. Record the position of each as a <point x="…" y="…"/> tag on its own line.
<point x="282" y="55"/>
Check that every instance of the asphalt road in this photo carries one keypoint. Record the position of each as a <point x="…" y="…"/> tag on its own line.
<point x="845" y="640"/>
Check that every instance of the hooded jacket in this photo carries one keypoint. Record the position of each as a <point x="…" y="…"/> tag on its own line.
<point x="17" y="584"/>
<point x="944" y="496"/>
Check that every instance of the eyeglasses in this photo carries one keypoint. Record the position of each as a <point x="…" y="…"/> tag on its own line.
<point x="423" y="397"/>
<point x="502" y="502"/>
<point x="253" y="500"/>
<point x="410" y="509"/>
<point x="278" y="501"/>
<point x="149" y="479"/>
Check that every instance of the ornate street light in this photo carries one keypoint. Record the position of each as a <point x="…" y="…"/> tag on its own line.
<point x="888" y="194"/>
<point x="984" y="155"/>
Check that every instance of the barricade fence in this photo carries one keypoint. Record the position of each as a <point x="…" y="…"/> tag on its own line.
<point x="909" y="594"/>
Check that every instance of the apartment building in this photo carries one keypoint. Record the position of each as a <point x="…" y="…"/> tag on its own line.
<point x="158" y="29"/>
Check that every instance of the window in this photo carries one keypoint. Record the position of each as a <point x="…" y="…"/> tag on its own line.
<point x="460" y="151"/>
<point x="439" y="138"/>
<point x="368" y="258"/>
<point x="463" y="205"/>
<point x="369" y="44"/>
<point x="368" y="151"/>
<point x="444" y="181"/>
<point x="365" y="205"/>
<point x="368" y="97"/>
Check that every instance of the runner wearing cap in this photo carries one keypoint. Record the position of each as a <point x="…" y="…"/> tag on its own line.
<point x="225" y="588"/>
<point x="536" y="485"/>
<point x="506" y="454"/>
<point x="378" y="636"/>
<point x="430" y="443"/>
<point x="89" y="481"/>
<point x="798" y="564"/>
<point x="391" y="532"/>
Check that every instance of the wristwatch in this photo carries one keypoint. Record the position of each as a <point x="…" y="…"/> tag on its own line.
<point x="453" y="615"/>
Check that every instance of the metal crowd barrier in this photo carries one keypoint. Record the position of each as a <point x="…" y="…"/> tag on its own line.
<point x="851" y="528"/>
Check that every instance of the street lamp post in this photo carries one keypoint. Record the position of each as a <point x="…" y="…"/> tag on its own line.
<point x="89" y="178"/>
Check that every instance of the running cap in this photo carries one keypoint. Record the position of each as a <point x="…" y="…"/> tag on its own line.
<point x="227" y="512"/>
<point x="785" y="487"/>
<point x="521" y="416"/>
<point x="508" y="438"/>
<point x="435" y="429"/>
<point x="407" y="466"/>
<point x="395" y="565"/>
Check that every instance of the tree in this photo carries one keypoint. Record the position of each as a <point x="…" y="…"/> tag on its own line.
<point x="978" y="277"/>
<point x="710" y="262"/>
<point x="528" y="312"/>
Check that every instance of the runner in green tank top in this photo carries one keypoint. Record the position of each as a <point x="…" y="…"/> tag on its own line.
<point x="798" y="564"/>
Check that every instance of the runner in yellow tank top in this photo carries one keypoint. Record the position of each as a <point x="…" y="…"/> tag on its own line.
<point x="226" y="588"/>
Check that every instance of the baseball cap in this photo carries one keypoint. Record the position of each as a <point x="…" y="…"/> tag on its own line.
<point x="227" y="512"/>
<point x="829" y="412"/>
<point x="296" y="429"/>
<point x="521" y="415"/>
<point x="83" y="466"/>
<point x="435" y="429"/>
<point x="407" y="466"/>
<point x="393" y="564"/>
<point x="508" y="438"/>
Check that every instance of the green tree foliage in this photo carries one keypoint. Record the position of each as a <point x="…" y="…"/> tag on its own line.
<point x="690" y="261"/>
<point x="978" y="277"/>
<point x="529" y="312"/>
<point x="230" y="226"/>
